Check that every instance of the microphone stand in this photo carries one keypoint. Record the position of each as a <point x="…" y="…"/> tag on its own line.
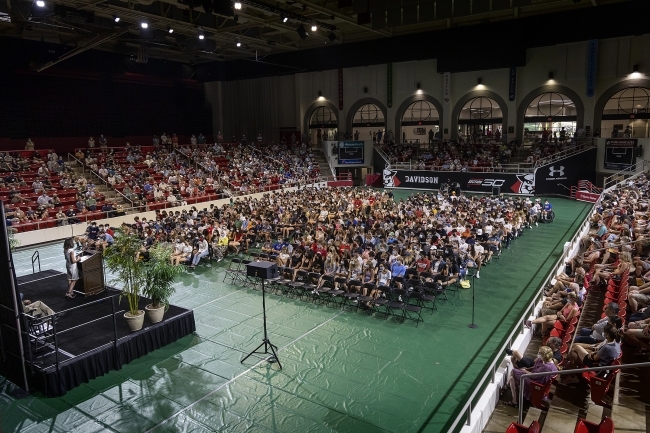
<point x="269" y="348"/>
<point x="473" y="325"/>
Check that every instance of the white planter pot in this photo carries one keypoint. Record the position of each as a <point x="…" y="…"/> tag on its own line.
<point x="155" y="315"/>
<point x="134" y="322"/>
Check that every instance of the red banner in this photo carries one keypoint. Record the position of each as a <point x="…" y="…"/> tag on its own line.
<point x="340" y="88"/>
<point x="587" y="196"/>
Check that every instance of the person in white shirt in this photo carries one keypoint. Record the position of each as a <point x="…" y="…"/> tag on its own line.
<point x="201" y="251"/>
<point x="44" y="200"/>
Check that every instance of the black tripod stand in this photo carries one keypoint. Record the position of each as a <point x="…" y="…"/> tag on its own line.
<point x="269" y="348"/>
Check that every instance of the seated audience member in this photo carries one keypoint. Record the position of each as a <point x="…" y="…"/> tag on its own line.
<point x="597" y="355"/>
<point x="520" y="361"/>
<point x="544" y="363"/>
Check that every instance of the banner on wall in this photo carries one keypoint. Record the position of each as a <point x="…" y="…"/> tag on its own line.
<point x="512" y="84"/>
<point x="446" y="87"/>
<point x="340" y="88"/>
<point x="620" y="153"/>
<point x="509" y="183"/>
<point x="389" y="85"/>
<point x="592" y="64"/>
<point x="350" y="152"/>
<point x="558" y="177"/>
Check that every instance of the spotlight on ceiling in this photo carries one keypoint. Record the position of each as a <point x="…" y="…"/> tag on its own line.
<point x="284" y="18"/>
<point x="635" y="68"/>
<point x="238" y="5"/>
<point x="417" y="86"/>
<point x="320" y="93"/>
<point x="201" y="36"/>
<point x="40" y="3"/>
<point x="170" y="30"/>
<point x="314" y="28"/>
<point x="116" y="18"/>
<point x="550" y="75"/>
<point x="480" y="81"/>
<point x="302" y="32"/>
<point x="144" y="25"/>
<point x="331" y="36"/>
<point x="238" y="44"/>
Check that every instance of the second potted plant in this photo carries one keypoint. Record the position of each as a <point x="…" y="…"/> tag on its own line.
<point x="159" y="281"/>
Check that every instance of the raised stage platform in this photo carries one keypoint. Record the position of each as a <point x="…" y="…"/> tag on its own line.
<point x="84" y="345"/>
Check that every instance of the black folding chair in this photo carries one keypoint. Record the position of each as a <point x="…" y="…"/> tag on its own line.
<point x="396" y="302"/>
<point x="411" y="310"/>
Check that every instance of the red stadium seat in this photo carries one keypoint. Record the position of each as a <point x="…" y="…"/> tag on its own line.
<point x="605" y="426"/>
<point x="518" y="428"/>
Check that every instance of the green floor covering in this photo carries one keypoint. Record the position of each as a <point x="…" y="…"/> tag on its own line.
<point x="343" y="371"/>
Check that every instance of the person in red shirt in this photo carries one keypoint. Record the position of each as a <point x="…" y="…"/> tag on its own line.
<point x="423" y="264"/>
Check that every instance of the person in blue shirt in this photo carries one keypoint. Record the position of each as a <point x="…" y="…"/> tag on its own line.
<point x="547" y="209"/>
<point x="398" y="269"/>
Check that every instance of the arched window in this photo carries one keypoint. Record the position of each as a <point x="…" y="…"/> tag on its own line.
<point x="627" y="112"/>
<point x="421" y="113"/>
<point x="369" y="115"/>
<point x="323" y="117"/>
<point x="480" y="116"/>
<point x="552" y="112"/>
<point x="633" y="100"/>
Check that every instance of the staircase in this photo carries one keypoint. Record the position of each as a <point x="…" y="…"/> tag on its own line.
<point x="104" y="190"/>
<point x="325" y="169"/>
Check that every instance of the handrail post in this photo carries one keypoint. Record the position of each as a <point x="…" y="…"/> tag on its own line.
<point x="469" y="414"/>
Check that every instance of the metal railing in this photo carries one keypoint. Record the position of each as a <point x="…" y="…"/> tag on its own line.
<point x="36" y="257"/>
<point x="564" y="372"/>
<point x="55" y="332"/>
<point x="639" y="167"/>
<point x="504" y="168"/>
<point x="383" y="155"/>
<point x="518" y="328"/>
<point x="585" y="145"/>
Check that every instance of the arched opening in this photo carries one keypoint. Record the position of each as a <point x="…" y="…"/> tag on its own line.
<point x="368" y="119"/>
<point x="323" y="125"/>
<point x="626" y="114"/>
<point x="480" y="117"/>
<point x="418" y="118"/>
<point x="551" y="112"/>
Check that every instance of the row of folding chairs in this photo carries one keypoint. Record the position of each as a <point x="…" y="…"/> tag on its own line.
<point x="403" y="299"/>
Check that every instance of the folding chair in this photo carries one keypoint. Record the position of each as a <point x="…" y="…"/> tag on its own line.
<point x="233" y="270"/>
<point x="415" y="309"/>
<point x="396" y="302"/>
<point x="365" y="299"/>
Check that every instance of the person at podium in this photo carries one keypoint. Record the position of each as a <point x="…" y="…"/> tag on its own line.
<point x="71" y="261"/>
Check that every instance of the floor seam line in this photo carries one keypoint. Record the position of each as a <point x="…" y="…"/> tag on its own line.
<point x="240" y="374"/>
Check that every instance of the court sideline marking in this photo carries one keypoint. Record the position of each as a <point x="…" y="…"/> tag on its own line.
<point x="241" y="374"/>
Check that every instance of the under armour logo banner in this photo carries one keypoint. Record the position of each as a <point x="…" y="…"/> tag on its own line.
<point x="552" y="171"/>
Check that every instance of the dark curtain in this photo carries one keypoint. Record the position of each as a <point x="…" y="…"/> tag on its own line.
<point x="249" y="109"/>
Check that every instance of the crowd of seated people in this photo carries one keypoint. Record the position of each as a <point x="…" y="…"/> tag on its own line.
<point x="152" y="178"/>
<point x="257" y="166"/>
<point x="45" y="193"/>
<point x="614" y="259"/>
<point x="356" y="236"/>
<point x="460" y="155"/>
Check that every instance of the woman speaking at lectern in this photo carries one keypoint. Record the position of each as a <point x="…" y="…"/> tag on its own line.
<point x="71" y="261"/>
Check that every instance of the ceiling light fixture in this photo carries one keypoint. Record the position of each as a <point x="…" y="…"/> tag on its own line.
<point x="201" y="36"/>
<point x="40" y="3"/>
<point x="314" y="28"/>
<point x="285" y="18"/>
<point x="116" y="18"/>
<point x="238" y="5"/>
<point x="144" y="25"/>
<point x="238" y="44"/>
<point x="170" y="30"/>
<point x="480" y="81"/>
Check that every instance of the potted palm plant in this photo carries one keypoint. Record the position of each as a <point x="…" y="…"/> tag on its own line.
<point x="159" y="281"/>
<point x="122" y="259"/>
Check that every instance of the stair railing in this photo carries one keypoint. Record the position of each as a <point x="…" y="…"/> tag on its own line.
<point x="572" y="371"/>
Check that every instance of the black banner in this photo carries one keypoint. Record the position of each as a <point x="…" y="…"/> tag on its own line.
<point x="559" y="176"/>
<point x="509" y="183"/>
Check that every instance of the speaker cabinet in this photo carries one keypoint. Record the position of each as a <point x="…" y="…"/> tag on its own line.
<point x="496" y="190"/>
<point x="263" y="270"/>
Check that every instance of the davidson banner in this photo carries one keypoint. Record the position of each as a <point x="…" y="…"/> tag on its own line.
<point x="510" y="183"/>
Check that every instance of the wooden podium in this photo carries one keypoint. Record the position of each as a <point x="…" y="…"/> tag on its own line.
<point x="91" y="273"/>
